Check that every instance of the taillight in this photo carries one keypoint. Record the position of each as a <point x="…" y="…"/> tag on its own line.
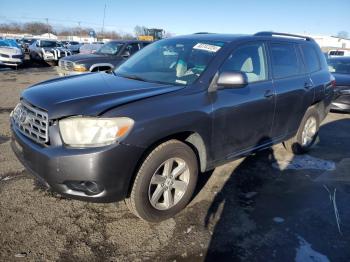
<point x="333" y="83"/>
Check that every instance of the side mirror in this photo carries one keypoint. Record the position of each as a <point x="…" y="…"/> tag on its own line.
<point x="232" y="79"/>
<point x="126" y="54"/>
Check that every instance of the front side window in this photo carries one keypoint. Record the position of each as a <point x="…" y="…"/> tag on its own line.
<point x="249" y="59"/>
<point x="172" y="61"/>
<point x="285" y="61"/>
<point x="311" y="58"/>
<point x="133" y="48"/>
<point x="111" y="48"/>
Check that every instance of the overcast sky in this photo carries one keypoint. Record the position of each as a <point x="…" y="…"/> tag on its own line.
<point x="184" y="17"/>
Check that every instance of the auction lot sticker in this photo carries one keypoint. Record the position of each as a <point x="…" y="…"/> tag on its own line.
<point x="207" y="47"/>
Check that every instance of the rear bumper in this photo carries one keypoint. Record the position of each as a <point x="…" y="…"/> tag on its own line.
<point x="110" y="168"/>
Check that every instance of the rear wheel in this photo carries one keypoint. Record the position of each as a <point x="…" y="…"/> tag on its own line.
<point x="306" y="135"/>
<point x="165" y="182"/>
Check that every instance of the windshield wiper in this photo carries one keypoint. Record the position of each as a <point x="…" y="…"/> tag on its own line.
<point x="134" y="77"/>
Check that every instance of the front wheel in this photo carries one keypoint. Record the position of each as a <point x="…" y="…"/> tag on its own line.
<point x="165" y="182"/>
<point x="306" y="135"/>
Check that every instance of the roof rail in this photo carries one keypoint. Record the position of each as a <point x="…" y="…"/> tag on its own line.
<point x="202" y="33"/>
<point x="266" y="33"/>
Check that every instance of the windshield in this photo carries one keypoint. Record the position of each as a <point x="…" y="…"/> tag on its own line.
<point x="339" y="66"/>
<point x="48" y="44"/>
<point x="11" y="42"/>
<point x="171" y="61"/>
<point x="4" y="43"/>
<point x="110" y="48"/>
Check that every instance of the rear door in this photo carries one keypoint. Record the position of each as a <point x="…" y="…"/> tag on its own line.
<point x="293" y="86"/>
<point x="243" y="116"/>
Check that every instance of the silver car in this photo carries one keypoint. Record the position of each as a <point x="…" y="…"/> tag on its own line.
<point x="10" y="53"/>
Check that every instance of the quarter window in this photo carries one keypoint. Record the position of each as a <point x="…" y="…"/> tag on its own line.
<point x="285" y="61"/>
<point x="311" y="58"/>
<point x="249" y="59"/>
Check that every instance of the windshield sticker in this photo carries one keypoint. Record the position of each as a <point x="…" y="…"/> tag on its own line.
<point x="181" y="81"/>
<point x="207" y="47"/>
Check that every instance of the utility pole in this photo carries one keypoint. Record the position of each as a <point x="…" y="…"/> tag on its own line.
<point x="103" y="20"/>
<point x="47" y="23"/>
<point x="79" y="30"/>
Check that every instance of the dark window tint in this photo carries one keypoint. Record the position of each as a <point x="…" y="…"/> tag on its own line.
<point x="284" y="60"/>
<point x="249" y="59"/>
<point x="311" y="58"/>
<point x="133" y="48"/>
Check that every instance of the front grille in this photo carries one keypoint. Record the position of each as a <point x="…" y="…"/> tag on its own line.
<point x="66" y="65"/>
<point x="31" y="122"/>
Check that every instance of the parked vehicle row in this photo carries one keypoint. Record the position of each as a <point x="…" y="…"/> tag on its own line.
<point x="176" y="108"/>
<point x="108" y="57"/>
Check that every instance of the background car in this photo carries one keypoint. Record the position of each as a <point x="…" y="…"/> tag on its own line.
<point x="340" y="68"/>
<point x="73" y="46"/>
<point x="47" y="51"/>
<point x="108" y="57"/>
<point x="11" y="53"/>
<point x="25" y="43"/>
<point x="89" y="48"/>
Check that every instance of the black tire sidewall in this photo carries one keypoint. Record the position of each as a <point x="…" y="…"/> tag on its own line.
<point x="311" y="112"/>
<point x="141" y="186"/>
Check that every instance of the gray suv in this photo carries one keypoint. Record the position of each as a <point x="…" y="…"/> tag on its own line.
<point x="179" y="107"/>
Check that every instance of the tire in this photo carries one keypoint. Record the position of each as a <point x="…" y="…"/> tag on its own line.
<point x="296" y="144"/>
<point x="176" y="155"/>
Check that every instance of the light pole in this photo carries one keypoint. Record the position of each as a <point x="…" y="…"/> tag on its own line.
<point x="103" y="20"/>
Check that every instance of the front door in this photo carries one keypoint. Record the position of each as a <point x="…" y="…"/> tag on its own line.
<point x="242" y="117"/>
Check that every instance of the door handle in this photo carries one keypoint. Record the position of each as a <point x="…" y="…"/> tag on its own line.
<point x="268" y="93"/>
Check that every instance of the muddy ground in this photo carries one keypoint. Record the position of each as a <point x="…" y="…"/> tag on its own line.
<point x="270" y="206"/>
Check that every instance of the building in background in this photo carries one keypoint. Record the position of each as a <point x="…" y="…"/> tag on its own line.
<point x="331" y="42"/>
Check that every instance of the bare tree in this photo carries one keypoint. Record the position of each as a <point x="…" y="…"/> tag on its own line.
<point x="37" y="28"/>
<point x="140" y="30"/>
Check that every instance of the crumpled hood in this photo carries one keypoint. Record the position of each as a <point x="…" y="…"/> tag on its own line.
<point x="90" y="94"/>
<point x="10" y="50"/>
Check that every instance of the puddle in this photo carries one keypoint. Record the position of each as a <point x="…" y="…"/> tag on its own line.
<point x="304" y="162"/>
<point x="306" y="254"/>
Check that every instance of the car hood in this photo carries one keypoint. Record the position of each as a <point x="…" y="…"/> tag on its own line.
<point x="10" y="50"/>
<point x="90" y="94"/>
<point x="90" y="58"/>
<point x="342" y="79"/>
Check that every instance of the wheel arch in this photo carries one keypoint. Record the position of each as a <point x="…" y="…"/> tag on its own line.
<point x="95" y="66"/>
<point x="193" y="139"/>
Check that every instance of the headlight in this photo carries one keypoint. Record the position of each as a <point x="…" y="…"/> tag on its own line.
<point x="79" y="68"/>
<point x="94" y="132"/>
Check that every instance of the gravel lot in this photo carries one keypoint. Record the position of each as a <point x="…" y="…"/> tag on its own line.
<point x="270" y="206"/>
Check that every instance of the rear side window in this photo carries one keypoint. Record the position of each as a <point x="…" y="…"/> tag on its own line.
<point x="285" y="60"/>
<point x="311" y="58"/>
<point x="249" y="59"/>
